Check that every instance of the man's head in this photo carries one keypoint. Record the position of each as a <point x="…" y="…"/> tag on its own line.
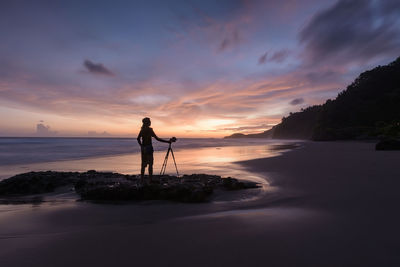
<point x="146" y="122"/>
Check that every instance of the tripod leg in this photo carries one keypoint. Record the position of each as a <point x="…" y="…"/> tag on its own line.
<point x="173" y="157"/>
<point x="164" y="166"/>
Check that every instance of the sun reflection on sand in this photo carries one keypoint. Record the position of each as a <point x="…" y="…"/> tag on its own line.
<point x="219" y="160"/>
<point x="211" y="160"/>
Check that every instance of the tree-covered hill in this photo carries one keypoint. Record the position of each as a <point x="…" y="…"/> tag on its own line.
<point x="368" y="108"/>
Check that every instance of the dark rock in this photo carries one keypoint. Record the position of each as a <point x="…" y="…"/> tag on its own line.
<point x="233" y="184"/>
<point x="108" y="186"/>
<point x="35" y="182"/>
<point x="388" y="144"/>
<point x="193" y="188"/>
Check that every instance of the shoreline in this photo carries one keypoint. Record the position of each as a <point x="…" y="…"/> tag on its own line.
<point x="335" y="205"/>
<point x="133" y="150"/>
<point x="189" y="160"/>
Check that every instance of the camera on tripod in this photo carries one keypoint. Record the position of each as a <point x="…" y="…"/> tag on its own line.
<point x="164" y="166"/>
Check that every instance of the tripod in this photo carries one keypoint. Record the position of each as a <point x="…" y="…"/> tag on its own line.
<point x="164" y="166"/>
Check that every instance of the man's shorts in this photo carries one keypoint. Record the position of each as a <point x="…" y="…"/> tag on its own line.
<point x="147" y="155"/>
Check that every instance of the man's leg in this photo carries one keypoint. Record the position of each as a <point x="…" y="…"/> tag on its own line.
<point x="151" y="160"/>
<point x="144" y="163"/>
<point x="142" y="171"/>
<point x="150" y="172"/>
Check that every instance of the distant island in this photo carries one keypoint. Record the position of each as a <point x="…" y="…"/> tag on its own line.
<point x="368" y="109"/>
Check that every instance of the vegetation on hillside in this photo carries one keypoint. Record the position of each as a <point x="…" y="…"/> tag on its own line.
<point x="368" y="108"/>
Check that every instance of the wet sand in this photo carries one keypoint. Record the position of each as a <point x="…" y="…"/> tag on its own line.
<point x="332" y="204"/>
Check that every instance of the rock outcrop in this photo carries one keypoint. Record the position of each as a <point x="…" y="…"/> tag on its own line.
<point x="388" y="144"/>
<point x="108" y="186"/>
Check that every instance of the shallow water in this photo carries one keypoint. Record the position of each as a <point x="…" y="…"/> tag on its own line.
<point x="212" y="156"/>
<point x="36" y="150"/>
<point x="190" y="158"/>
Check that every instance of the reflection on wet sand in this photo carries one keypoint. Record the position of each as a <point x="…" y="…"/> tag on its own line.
<point x="209" y="160"/>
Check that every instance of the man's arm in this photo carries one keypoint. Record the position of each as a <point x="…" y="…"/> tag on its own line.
<point x="138" y="138"/>
<point x="159" y="139"/>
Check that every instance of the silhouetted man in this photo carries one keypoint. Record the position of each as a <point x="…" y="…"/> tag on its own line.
<point x="144" y="140"/>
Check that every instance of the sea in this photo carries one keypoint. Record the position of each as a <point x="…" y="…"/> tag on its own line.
<point x="192" y="155"/>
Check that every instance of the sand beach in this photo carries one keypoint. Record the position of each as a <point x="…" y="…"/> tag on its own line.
<point x="330" y="204"/>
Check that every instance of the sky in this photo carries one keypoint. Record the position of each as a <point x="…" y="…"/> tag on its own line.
<point x="196" y="68"/>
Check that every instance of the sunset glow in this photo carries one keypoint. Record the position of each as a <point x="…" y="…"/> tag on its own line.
<point x="196" y="68"/>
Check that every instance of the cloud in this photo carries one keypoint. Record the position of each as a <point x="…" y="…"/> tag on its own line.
<point x="264" y="96"/>
<point x="194" y="74"/>
<point x="247" y="128"/>
<point x="43" y="130"/>
<point x="150" y="100"/>
<point x="263" y="58"/>
<point x="297" y="101"/>
<point x="278" y="57"/>
<point x="221" y="24"/>
<point x="97" y="68"/>
<point x="323" y="76"/>
<point x="231" y="40"/>
<point x="96" y="134"/>
<point x="352" y="30"/>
